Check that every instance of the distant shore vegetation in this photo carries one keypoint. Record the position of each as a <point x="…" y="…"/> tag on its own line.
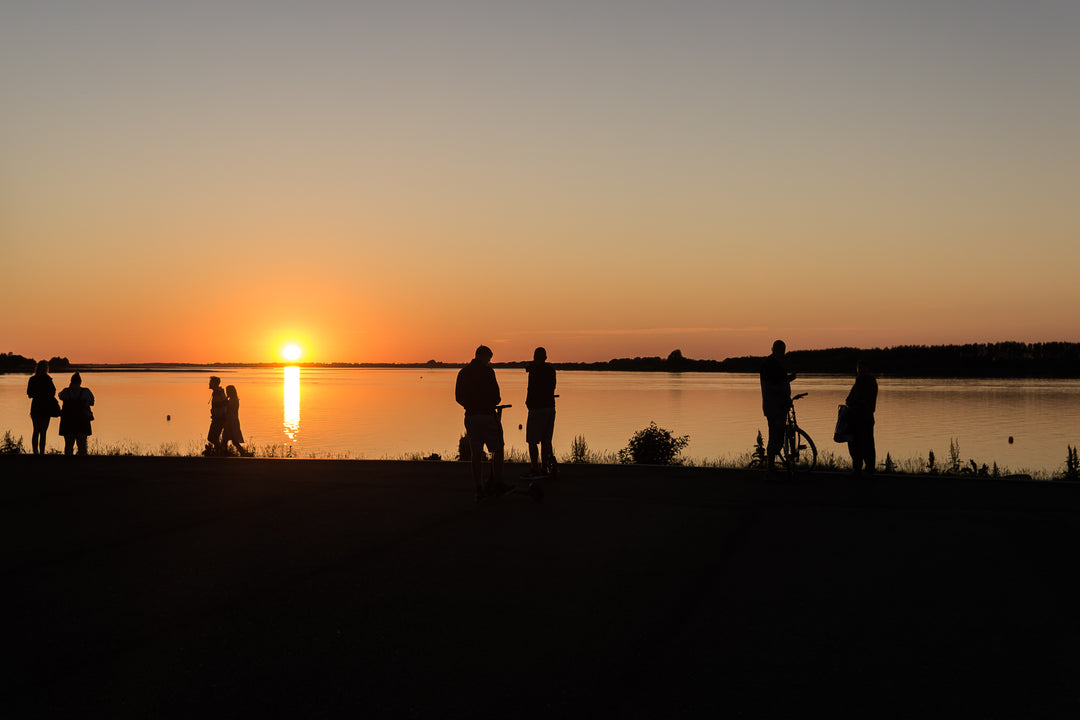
<point x="976" y="360"/>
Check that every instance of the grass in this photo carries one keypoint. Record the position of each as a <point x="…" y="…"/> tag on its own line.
<point x="954" y="465"/>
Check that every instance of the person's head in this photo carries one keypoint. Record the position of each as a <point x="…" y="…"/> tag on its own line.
<point x="42" y="367"/>
<point x="215" y="382"/>
<point x="484" y="354"/>
<point x="76" y="380"/>
<point x="861" y="368"/>
<point x="779" y="348"/>
<point x="539" y="354"/>
<point x="230" y="392"/>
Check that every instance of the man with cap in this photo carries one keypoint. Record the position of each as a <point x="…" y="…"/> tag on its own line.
<point x="540" y="400"/>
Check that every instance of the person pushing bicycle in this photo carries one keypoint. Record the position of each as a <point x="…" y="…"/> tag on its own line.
<point x="477" y="391"/>
<point x="775" y="400"/>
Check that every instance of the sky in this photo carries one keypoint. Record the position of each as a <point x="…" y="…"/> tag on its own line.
<point x="402" y="181"/>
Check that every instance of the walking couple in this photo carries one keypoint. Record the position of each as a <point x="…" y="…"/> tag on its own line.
<point x="224" y="420"/>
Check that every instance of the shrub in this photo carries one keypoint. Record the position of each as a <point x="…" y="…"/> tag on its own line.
<point x="579" y="450"/>
<point x="464" y="450"/>
<point x="757" y="457"/>
<point x="930" y="466"/>
<point x="10" y="446"/>
<point x="890" y="466"/>
<point x="954" y="456"/>
<point x="1072" y="464"/>
<point x="654" y="446"/>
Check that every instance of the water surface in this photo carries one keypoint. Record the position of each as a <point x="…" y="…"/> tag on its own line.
<point x="372" y="413"/>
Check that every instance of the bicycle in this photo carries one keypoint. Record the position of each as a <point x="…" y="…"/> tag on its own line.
<point x="531" y="489"/>
<point x="798" y="452"/>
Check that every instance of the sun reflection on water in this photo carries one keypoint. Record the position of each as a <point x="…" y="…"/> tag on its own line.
<point x="291" y="393"/>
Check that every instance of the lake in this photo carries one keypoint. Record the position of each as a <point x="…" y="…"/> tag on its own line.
<point x="392" y="413"/>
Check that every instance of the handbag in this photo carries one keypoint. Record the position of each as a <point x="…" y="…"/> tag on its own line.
<point x="842" y="432"/>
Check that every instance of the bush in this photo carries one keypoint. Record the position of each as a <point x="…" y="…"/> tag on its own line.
<point x="579" y="450"/>
<point x="654" y="446"/>
<point x="757" y="457"/>
<point x="1072" y="464"/>
<point x="464" y="450"/>
<point x="954" y="457"/>
<point x="10" y="446"/>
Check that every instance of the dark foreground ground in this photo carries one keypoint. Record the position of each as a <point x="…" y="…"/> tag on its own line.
<point x="154" y="587"/>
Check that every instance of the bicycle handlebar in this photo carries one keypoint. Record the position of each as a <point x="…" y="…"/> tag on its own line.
<point x="800" y="395"/>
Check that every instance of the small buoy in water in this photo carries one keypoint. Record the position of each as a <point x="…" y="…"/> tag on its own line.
<point x="169" y="417"/>
<point x="519" y="426"/>
<point x="1010" y="440"/>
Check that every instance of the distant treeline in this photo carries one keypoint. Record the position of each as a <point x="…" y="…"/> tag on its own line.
<point x="12" y="363"/>
<point x="978" y="360"/>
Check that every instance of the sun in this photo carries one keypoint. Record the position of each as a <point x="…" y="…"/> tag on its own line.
<point x="292" y="353"/>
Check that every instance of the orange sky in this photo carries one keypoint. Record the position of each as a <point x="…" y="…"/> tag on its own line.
<point x="197" y="185"/>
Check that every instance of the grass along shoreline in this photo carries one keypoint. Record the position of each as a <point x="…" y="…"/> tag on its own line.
<point x="580" y="454"/>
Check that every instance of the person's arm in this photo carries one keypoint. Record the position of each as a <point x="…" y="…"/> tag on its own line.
<point x="459" y="391"/>
<point x="89" y="396"/>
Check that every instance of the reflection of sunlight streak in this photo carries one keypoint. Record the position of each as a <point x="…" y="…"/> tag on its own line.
<point x="292" y="402"/>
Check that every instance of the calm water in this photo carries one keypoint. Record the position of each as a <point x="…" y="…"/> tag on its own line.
<point x="391" y="413"/>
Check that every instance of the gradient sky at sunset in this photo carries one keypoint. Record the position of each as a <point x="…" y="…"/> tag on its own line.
<point x="400" y="181"/>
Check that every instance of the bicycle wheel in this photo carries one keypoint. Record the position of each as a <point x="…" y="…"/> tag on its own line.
<point x="798" y="453"/>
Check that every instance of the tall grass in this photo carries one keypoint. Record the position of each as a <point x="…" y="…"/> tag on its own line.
<point x="956" y="464"/>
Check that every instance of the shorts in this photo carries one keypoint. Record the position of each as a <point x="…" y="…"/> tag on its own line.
<point x="540" y="426"/>
<point x="484" y="430"/>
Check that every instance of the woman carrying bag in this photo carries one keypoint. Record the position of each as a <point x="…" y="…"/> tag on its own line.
<point x="862" y="403"/>
<point x="76" y="415"/>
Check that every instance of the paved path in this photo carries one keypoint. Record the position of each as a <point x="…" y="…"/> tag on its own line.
<point x="161" y="587"/>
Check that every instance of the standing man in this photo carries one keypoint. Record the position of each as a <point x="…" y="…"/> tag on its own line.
<point x="775" y="400"/>
<point x="541" y="403"/>
<point x="477" y="391"/>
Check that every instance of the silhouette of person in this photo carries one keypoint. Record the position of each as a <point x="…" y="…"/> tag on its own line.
<point x="775" y="399"/>
<point x="232" y="430"/>
<point x="477" y="391"/>
<point x="76" y="415"/>
<point x="219" y="413"/>
<point x="540" y="399"/>
<point x="862" y="403"/>
<point x="42" y="393"/>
